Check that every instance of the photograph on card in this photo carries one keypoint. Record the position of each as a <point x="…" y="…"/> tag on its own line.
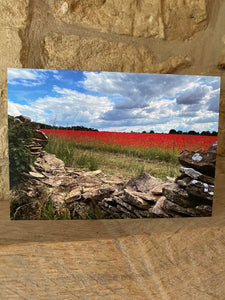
<point x="111" y="145"/>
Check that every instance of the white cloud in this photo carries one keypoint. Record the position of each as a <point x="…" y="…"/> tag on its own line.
<point x="70" y="108"/>
<point x="26" y="77"/>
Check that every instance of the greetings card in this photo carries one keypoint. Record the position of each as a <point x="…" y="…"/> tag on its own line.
<point x="110" y="145"/>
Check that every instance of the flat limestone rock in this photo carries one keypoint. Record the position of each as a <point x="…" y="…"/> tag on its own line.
<point x="149" y="197"/>
<point x="202" y="161"/>
<point x="178" y="195"/>
<point x="201" y="190"/>
<point x="36" y="175"/>
<point x="157" y="209"/>
<point x="135" y="200"/>
<point x="92" y="173"/>
<point x="97" y="193"/>
<point x="40" y="135"/>
<point x="143" y="183"/>
<point x="183" y="180"/>
<point x="73" y="195"/>
<point x="197" y="175"/>
<point x="169" y="206"/>
<point x="158" y="189"/>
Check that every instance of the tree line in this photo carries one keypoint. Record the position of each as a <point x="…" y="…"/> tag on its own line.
<point x="192" y="132"/>
<point x="45" y="126"/>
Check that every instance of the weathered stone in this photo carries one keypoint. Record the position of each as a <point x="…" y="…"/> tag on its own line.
<point x="10" y="54"/>
<point x="193" y="174"/>
<point x="203" y="210"/>
<point x="129" y="207"/>
<point x="111" y="212"/>
<point x="157" y="209"/>
<point x="170" y="206"/>
<point x="59" y="181"/>
<point x="97" y="194"/>
<point x="40" y="135"/>
<point x="49" y="162"/>
<point x="178" y="195"/>
<point x="58" y="199"/>
<point x="158" y="189"/>
<point x="183" y="180"/>
<point x="144" y="19"/>
<point x="124" y="203"/>
<point x="24" y="119"/>
<point x="182" y="19"/>
<point x="114" y="180"/>
<point x="76" y="52"/>
<point x="36" y="175"/>
<point x="143" y="183"/>
<point x="74" y="195"/>
<point x="202" y="161"/>
<point x="198" y="189"/>
<point x="41" y="142"/>
<point x="92" y="173"/>
<point x="135" y="200"/>
<point x="170" y="179"/>
<point x="213" y="147"/>
<point x="13" y="14"/>
<point x="125" y="213"/>
<point x="149" y="197"/>
<point x="81" y="210"/>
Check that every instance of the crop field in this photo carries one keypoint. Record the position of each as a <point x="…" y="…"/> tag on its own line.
<point x="124" y="154"/>
<point x="176" y="142"/>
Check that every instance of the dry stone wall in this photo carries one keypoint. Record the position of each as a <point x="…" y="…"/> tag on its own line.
<point x="92" y="194"/>
<point x="181" y="37"/>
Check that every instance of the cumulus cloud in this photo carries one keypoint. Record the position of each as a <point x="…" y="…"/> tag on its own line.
<point x="68" y="108"/>
<point x="193" y="96"/>
<point x="213" y="101"/>
<point x="123" y="101"/>
<point x="154" y="94"/>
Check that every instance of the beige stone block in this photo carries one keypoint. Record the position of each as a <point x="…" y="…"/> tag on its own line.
<point x="74" y="52"/>
<point x="137" y="18"/>
<point x="159" y="19"/>
<point x="182" y="19"/>
<point x="9" y="52"/>
<point x="93" y="54"/>
<point x="4" y="124"/>
<point x="3" y="141"/>
<point x="221" y="135"/>
<point x="13" y="13"/>
<point x="4" y="180"/>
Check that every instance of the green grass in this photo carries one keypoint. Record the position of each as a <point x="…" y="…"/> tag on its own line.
<point x="115" y="159"/>
<point x="24" y="208"/>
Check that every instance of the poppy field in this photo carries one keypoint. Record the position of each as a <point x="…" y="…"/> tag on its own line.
<point x="175" y="142"/>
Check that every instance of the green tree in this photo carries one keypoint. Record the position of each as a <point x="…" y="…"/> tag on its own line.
<point x="172" y="131"/>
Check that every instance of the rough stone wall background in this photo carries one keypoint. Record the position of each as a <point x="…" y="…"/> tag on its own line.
<point x="158" y="36"/>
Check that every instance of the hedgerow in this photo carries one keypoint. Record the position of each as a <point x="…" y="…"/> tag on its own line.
<point x="20" y="157"/>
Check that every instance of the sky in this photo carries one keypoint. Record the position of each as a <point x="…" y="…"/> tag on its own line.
<point x="115" y="101"/>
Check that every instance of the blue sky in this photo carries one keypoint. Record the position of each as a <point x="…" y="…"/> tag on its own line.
<point x="113" y="101"/>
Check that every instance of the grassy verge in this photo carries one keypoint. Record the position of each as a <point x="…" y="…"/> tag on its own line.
<point x="114" y="159"/>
